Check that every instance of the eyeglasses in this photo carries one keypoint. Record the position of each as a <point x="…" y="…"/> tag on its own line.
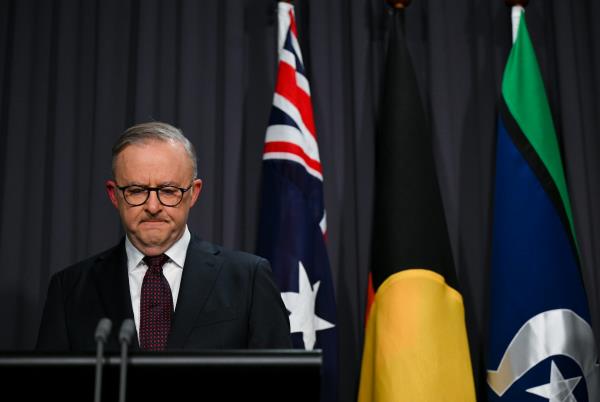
<point x="169" y="196"/>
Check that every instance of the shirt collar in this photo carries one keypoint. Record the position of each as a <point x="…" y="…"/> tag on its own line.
<point x="176" y="252"/>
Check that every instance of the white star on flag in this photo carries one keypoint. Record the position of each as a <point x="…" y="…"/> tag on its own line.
<point x="302" y="306"/>
<point x="558" y="389"/>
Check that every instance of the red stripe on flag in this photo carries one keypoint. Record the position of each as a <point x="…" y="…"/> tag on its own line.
<point x="280" y="146"/>
<point x="288" y="88"/>
<point x="293" y="23"/>
<point x="370" y="298"/>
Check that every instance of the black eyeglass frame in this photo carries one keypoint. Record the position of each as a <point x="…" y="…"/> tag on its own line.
<point x="156" y="189"/>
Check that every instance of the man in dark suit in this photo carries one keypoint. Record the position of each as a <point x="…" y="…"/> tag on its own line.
<point x="182" y="292"/>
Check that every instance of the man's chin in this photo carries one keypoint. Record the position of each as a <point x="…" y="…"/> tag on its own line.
<point x="154" y="241"/>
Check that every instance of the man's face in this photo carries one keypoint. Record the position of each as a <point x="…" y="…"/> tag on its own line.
<point x="153" y="227"/>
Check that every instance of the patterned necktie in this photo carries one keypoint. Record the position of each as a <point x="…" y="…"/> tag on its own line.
<point x="156" y="306"/>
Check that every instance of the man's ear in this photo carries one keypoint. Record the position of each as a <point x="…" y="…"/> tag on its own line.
<point x="196" y="189"/>
<point x="111" y="190"/>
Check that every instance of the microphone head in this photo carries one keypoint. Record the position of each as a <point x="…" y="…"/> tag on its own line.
<point x="103" y="329"/>
<point x="127" y="331"/>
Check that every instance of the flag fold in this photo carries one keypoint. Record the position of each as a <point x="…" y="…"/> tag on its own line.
<point x="416" y="346"/>
<point x="292" y="226"/>
<point x="541" y="343"/>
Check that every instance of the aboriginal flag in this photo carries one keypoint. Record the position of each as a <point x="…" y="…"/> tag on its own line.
<point x="416" y="345"/>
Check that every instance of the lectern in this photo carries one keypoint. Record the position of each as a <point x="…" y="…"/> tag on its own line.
<point x="225" y="375"/>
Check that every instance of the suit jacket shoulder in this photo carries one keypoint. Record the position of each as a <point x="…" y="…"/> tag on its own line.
<point x="81" y="270"/>
<point x="79" y="296"/>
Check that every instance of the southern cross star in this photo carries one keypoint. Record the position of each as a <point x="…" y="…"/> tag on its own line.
<point x="302" y="306"/>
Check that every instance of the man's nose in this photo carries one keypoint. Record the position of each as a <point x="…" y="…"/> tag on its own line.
<point x="153" y="205"/>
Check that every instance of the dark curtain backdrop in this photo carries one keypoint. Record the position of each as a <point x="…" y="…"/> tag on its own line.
<point x="74" y="74"/>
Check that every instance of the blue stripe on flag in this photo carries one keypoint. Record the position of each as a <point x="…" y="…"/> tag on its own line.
<point x="290" y="48"/>
<point x="534" y="270"/>
<point x="279" y="117"/>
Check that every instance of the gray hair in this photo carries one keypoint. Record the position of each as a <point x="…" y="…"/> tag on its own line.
<point x="154" y="131"/>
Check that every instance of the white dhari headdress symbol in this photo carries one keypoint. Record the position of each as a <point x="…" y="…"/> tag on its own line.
<point x="551" y="333"/>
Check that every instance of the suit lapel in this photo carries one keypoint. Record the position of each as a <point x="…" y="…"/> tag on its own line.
<point x="113" y="287"/>
<point x="200" y="271"/>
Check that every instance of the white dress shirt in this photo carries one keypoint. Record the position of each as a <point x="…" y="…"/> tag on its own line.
<point x="172" y="270"/>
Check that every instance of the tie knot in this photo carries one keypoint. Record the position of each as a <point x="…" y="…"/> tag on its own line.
<point x="156" y="262"/>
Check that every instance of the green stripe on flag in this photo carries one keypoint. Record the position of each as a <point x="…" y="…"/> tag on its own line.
<point x="525" y="96"/>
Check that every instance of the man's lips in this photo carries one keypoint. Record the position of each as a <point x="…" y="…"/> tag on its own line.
<point x="153" y="221"/>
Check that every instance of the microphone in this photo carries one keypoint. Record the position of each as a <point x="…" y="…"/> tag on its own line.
<point x="102" y="331"/>
<point x="125" y="334"/>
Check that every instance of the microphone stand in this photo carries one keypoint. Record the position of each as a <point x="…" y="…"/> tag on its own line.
<point x="102" y="331"/>
<point x="125" y="334"/>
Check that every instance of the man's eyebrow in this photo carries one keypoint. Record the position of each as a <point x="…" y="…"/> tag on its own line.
<point x="133" y="183"/>
<point x="162" y="184"/>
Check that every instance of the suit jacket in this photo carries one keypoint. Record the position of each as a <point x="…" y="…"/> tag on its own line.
<point x="227" y="300"/>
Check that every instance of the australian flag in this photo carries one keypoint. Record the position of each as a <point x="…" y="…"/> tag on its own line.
<point x="292" y="228"/>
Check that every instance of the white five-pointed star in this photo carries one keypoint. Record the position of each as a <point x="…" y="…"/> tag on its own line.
<point x="558" y="389"/>
<point x="302" y="306"/>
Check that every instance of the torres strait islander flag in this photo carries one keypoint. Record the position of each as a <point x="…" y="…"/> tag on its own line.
<point x="292" y="227"/>
<point x="416" y="347"/>
<point x="541" y="345"/>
